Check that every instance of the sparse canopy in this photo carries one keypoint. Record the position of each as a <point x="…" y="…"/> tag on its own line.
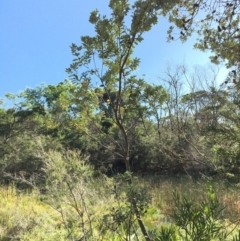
<point x="217" y="24"/>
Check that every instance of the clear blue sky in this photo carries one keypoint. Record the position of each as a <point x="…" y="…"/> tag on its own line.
<point x="35" y="37"/>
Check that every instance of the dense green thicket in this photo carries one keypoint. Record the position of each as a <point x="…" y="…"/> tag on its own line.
<point x="171" y="130"/>
<point x="123" y="122"/>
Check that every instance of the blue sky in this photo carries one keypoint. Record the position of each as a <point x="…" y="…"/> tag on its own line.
<point x="35" y="37"/>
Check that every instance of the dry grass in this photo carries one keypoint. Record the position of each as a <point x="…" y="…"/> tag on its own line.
<point x="23" y="216"/>
<point x="162" y="188"/>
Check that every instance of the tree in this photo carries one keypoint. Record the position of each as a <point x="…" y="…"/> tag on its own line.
<point x="121" y="94"/>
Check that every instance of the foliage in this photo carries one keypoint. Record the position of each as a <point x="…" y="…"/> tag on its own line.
<point x="65" y="169"/>
<point x="199" y="222"/>
<point x="216" y="24"/>
<point x="123" y="98"/>
<point x="74" y="194"/>
<point x="64" y="138"/>
<point x="23" y="160"/>
<point x="122" y="119"/>
<point x="36" y="216"/>
<point x="25" y="217"/>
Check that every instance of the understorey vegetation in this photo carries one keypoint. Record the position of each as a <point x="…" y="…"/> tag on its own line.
<point x="106" y="155"/>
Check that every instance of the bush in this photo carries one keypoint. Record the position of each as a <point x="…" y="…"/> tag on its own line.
<point x="23" y="160"/>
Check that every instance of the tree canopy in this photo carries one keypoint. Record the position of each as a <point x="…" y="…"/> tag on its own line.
<point x="216" y="23"/>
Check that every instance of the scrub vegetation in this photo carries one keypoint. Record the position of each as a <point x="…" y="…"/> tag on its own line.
<point x="105" y="155"/>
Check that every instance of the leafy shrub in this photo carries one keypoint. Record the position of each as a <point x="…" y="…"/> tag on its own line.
<point x="23" y="159"/>
<point x="200" y="220"/>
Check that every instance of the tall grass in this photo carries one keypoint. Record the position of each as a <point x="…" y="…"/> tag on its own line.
<point x="24" y="217"/>
<point x="162" y="189"/>
<point x="78" y="206"/>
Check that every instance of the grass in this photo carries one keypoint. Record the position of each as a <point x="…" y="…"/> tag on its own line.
<point x="161" y="189"/>
<point x="32" y="216"/>
<point x="24" y="217"/>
